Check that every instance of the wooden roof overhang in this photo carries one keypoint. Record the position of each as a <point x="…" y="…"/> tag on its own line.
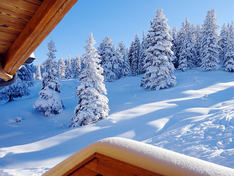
<point x="102" y="165"/>
<point x="24" y="24"/>
<point x="118" y="156"/>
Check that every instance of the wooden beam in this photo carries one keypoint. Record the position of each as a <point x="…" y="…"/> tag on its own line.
<point x="109" y="166"/>
<point x="85" y="172"/>
<point x="42" y="23"/>
<point x="73" y="170"/>
<point x="3" y="75"/>
<point x="98" y="164"/>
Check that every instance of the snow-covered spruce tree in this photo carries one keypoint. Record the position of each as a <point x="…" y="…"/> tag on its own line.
<point x="61" y="68"/>
<point x="159" y="68"/>
<point x="107" y="53"/>
<point x="26" y="74"/>
<point x="134" y="55"/>
<point x="187" y="53"/>
<point x="175" y="46"/>
<point x="130" y="54"/>
<point x="141" y="63"/>
<point x="122" y="53"/>
<point x="223" y="42"/>
<point x="49" y="101"/>
<point x="182" y="59"/>
<point x="73" y="68"/>
<point x="117" y="64"/>
<point x="229" y="55"/>
<point x="209" y="41"/>
<point x="93" y="104"/>
<point x="68" y="73"/>
<point x="198" y="46"/>
<point x="77" y="66"/>
<point x="38" y="72"/>
<point x="21" y="87"/>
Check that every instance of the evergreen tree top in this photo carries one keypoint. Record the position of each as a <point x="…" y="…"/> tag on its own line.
<point x="52" y="50"/>
<point x="210" y="23"/>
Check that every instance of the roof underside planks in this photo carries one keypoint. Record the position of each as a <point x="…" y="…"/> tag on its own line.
<point x="23" y="26"/>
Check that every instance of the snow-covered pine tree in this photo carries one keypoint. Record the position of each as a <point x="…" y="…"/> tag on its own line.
<point x="61" y="68"/>
<point x="93" y="104"/>
<point x="134" y="55"/>
<point x="21" y="87"/>
<point x="192" y="46"/>
<point x="119" y="53"/>
<point x="73" y="68"/>
<point x="198" y="46"/>
<point x="175" y="46"/>
<point x="77" y="66"/>
<point x="210" y="48"/>
<point x="223" y="42"/>
<point x="122" y="54"/>
<point x="182" y="59"/>
<point x="159" y="68"/>
<point x="107" y="53"/>
<point x="26" y="74"/>
<point x="130" y="54"/>
<point x="117" y="64"/>
<point x="141" y="64"/>
<point x="49" y="101"/>
<point x="50" y="62"/>
<point x="187" y="53"/>
<point x="68" y="74"/>
<point x="38" y="72"/>
<point x="229" y="55"/>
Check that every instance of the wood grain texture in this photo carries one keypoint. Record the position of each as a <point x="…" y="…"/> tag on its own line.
<point x="79" y="166"/>
<point x="45" y="19"/>
<point x="3" y="48"/>
<point x="102" y="165"/>
<point x="8" y="12"/>
<point x="14" y="15"/>
<point x="4" y="75"/>
<point x="20" y="6"/>
<point x="7" y="37"/>
<point x="85" y="172"/>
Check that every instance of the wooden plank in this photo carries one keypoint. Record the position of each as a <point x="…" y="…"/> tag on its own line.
<point x="79" y="166"/>
<point x="35" y="2"/>
<point x="14" y="14"/>
<point x="4" y="75"/>
<point x="13" y="17"/>
<point x="19" y="6"/>
<point x="11" y="25"/>
<point x="7" y="37"/>
<point x="45" y="19"/>
<point x="109" y="166"/>
<point x="92" y="165"/>
<point x="98" y="164"/>
<point x="84" y="172"/>
<point x="4" y="47"/>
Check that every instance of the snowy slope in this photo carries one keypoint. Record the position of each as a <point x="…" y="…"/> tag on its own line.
<point x="196" y="117"/>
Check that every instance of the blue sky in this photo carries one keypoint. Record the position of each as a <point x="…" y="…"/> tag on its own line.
<point x="123" y="19"/>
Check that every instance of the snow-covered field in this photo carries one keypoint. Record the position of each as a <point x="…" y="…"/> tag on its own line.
<point x="196" y="118"/>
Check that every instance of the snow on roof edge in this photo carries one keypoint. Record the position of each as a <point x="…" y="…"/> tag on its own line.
<point x="146" y="156"/>
<point x="32" y="55"/>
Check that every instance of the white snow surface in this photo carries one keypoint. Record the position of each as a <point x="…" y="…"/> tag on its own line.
<point x="196" y="118"/>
